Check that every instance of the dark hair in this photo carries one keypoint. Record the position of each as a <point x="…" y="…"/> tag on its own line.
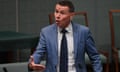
<point x="67" y="3"/>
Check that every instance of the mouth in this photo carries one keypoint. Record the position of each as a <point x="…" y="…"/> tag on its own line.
<point x="57" y="21"/>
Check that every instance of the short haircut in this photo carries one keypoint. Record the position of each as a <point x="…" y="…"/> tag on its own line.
<point x="68" y="4"/>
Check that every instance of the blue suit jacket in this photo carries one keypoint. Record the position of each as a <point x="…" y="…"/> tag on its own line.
<point x="83" y="43"/>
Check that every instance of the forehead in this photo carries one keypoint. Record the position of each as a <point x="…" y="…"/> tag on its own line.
<point x="60" y="7"/>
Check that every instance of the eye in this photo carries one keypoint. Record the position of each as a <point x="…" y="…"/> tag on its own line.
<point x="62" y="13"/>
<point x="56" y="11"/>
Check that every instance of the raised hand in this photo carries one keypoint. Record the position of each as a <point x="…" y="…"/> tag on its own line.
<point x="36" y="67"/>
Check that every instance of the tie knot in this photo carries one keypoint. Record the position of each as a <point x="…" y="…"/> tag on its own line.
<point x="64" y="31"/>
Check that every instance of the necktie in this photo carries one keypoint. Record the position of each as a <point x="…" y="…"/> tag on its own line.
<point x="64" y="53"/>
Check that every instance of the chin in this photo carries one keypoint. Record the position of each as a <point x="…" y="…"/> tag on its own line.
<point x="59" y="25"/>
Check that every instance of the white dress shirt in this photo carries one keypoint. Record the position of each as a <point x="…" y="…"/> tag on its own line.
<point x="70" y="46"/>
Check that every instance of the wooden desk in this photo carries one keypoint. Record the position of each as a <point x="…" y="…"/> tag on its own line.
<point x="10" y="41"/>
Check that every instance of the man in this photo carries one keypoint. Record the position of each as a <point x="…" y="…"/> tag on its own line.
<point x="79" y="42"/>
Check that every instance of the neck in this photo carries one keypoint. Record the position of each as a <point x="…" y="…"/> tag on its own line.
<point x="65" y="25"/>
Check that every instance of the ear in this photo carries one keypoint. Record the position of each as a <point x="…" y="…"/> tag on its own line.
<point x="71" y="15"/>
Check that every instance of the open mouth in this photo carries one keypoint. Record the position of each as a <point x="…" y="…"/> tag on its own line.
<point x="57" y="21"/>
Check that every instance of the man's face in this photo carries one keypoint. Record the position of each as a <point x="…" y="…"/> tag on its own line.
<point x="62" y="16"/>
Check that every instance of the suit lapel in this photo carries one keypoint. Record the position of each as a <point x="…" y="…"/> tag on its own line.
<point x="55" y="42"/>
<point x="55" y="36"/>
<point x="75" y="38"/>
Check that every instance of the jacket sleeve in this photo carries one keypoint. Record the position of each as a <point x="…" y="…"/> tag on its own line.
<point x="40" y="49"/>
<point x="93" y="53"/>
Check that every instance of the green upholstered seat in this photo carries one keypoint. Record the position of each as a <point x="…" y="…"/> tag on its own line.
<point x="103" y="59"/>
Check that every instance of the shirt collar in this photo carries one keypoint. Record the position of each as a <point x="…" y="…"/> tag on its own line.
<point x="68" y="28"/>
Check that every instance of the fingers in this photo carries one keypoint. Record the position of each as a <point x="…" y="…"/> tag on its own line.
<point x="39" y="67"/>
<point x="35" y="66"/>
<point x="31" y="63"/>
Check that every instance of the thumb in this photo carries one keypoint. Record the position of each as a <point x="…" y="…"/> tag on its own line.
<point x="31" y="60"/>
